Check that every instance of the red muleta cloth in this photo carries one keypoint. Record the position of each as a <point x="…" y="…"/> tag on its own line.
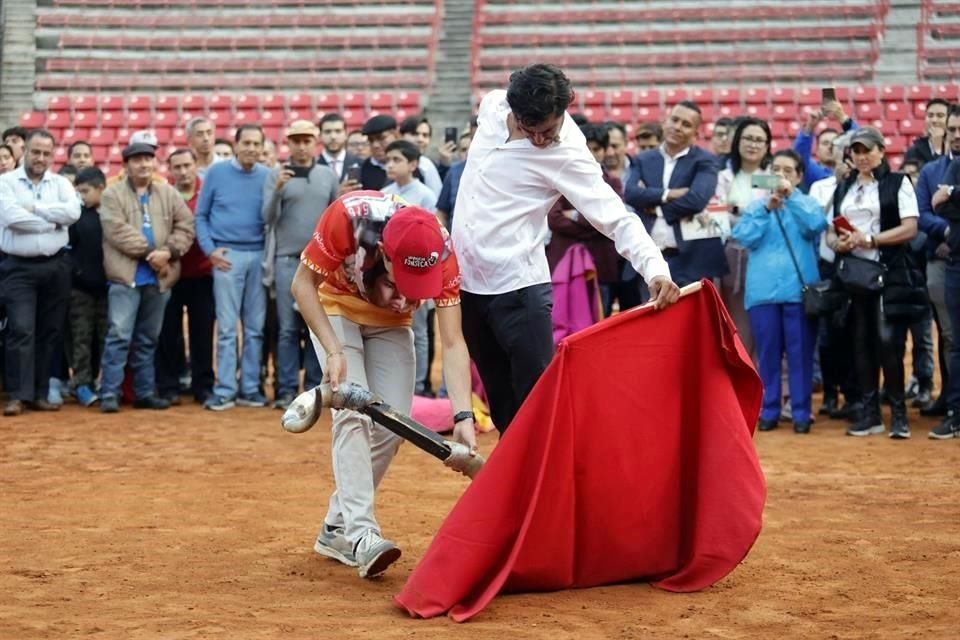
<point x="631" y="460"/>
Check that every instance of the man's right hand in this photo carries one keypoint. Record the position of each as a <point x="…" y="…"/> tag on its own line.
<point x="219" y="259"/>
<point x="349" y="185"/>
<point x="336" y="370"/>
<point x="813" y="119"/>
<point x="834" y="111"/>
<point x="283" y="178"/>
<point x="936" y="135"/>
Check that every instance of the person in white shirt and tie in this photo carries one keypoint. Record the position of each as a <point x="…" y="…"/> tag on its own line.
<point x="36" y="207"/>
<point x="333" y="136"/>
<point x="528" y="152"/>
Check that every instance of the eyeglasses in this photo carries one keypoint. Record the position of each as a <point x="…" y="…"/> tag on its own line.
<point x="858" y="196"/>
<point x="753" y="140"/>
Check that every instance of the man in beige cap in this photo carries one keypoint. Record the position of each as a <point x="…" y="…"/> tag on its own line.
<point x="294" y="196"/>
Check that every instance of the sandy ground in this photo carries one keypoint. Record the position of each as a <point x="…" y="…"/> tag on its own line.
<point x="192" y="524"/>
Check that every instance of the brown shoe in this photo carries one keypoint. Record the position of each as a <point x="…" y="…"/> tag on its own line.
<point x="13" y="408"/>
<point x="43" y="405"/>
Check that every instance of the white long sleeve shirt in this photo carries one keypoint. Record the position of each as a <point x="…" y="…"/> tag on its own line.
<point x="34" y="217"/>
<point x="506" y="192"/>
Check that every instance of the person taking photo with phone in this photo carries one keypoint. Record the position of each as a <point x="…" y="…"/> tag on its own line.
<point x="294" y="196"/>
<point x="816" y="149"/>
<point x="783" y="222"/>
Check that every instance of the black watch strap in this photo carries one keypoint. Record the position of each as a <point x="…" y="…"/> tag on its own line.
<point x="463" y="415"/>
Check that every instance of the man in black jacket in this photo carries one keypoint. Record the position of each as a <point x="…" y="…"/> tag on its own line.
<point x="930" y="146"/>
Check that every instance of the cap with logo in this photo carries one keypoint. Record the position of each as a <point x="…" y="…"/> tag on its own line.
<point x="144" y="136"/>
<point x="414" y="245"/>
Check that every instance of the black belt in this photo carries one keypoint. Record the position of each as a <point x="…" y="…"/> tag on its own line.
<point x="670" y="252"/>
<point x="38" y="258"/>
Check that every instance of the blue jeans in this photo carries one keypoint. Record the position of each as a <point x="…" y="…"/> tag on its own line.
<point x="779" y="329"/>
<point x="239" y="294"/>
<point x="290" y="327"/>
<point x="135" y="317"/>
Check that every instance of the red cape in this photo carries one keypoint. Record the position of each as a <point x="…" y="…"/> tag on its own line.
<point x="632" y="459"/>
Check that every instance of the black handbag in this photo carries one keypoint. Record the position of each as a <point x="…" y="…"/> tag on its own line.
<point x="860" y="275"/>
<point x="819" y="298"/>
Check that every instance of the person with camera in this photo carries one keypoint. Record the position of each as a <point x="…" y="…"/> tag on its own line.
<point x="294" y="196"/>
<point x="786" y="222"/>
<point x="875" y="217"/>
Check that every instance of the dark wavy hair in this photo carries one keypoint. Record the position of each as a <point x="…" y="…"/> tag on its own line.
<point x="749" y="121"/>
<point x="538" y="91"/>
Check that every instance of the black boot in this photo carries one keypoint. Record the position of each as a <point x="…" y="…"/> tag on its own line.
<point x="869" y="421"/>
<point x="924" y="394"/>
<point x="937" y="408"/>
<point x="899" y="427"/>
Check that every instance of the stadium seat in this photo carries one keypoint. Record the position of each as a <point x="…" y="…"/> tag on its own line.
<point x="783" y="95"/>
<point x="168" y="103"/>
<point x="648" y="97"/>
<point x="102" y="137"/>
<point x="896" y="111"/>
<point x="33" y="119"/>
<point x="911" y="127"/>
<point x="621" y="98"/>
<point x="139" y="103"/>
<point x="194" y="102"/>
<point x="868" y="111"/>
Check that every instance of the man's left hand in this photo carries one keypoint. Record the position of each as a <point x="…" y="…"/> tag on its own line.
<point x="941" y="196"/>
<point x="465" y="433"/>
<point x="664" y="292"/>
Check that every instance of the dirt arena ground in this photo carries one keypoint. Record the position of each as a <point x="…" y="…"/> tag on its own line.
<point x="192" y="524"/>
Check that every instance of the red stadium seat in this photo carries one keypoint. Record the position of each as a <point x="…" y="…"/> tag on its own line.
<point x="596" y="114"/>
<point x="702" y="96"/>
<point x="248" y="102"/>
<point x="167" y="119"/>
<point x="920" y="110"/>
<point x="868" y="111"/>
<point x="673" y="96"/>
<point x="300" y="101"/>
<point x="99" y="154"/>
<point x="33" y="119"/>
<point x="245" y="117"/>
<point x="139" y="103"/>
<point x="274" y="102"/>
<point x="381" y="101"/>
<point x="647" y="114"/>
<point x="273" y="133"/>
<point x="621" y="97"/>
<point x="897" y="111"/>
<point x="949" y="92"/>
<point x="85" y="103"/>
<point x="865" y="94"/>
<point x="891" y="93"/>
<point x="756" y="95"/>
<point x="220" y="102"/>
<point x="809" y="96"/>
<point x="783" y="95"/>
<point x="648" y="97"/>
<point x="194" y="102"/>
<point x="919" y="92"/>
<point x="272" y="118"/>
<point x="353" y="100"/>
<point x="896" y="144"/>
<point x="328" y="102"/>
<point x="409" y="99"/>
<point x="58" y="103"/>
<point x="138" y="120"/>
<point x="592" y="97"/>
<point x="785" y="112"/>
<point x="620" y="114"/>
<point x="111" y="103"/>
<point x="84" y="119"/>
<point x="163" y="135"/>
<point x="102" y="137"/>
<point x="911" y="127"/>
<point x="69" y="136"/>
<point x="168" y="103"/>
<point x="728" y="110"/>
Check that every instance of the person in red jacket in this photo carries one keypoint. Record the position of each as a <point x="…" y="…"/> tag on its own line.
<point x="194" y="291"/>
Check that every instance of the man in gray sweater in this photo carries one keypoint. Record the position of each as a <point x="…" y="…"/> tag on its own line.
<point x="294" y="196"/>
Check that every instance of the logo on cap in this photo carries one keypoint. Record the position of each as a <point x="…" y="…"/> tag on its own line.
<point x="418" y="262"/>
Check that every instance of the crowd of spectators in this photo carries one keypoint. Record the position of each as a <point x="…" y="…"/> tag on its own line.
<point x="98" y="272"/>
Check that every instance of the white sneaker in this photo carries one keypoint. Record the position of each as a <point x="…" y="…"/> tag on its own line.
<point x="374" y="554"/>
<point x="332" y="544"/>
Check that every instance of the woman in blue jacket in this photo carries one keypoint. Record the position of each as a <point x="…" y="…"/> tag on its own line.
<point x="773" y="296"/>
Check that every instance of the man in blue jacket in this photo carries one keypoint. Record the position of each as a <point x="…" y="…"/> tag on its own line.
<point x="823" y="165"/>
<point x="230" y="232"/>
<point x="673" y="182"/>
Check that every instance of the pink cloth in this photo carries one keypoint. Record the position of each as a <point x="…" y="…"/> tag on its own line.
<point x="576" y="296"/>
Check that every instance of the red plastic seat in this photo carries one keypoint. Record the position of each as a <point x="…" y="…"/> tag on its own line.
<point x="911" y="127"/>
<point x="58" y="103"/>
<point x="702" y="97"/>
<point x="920" y="110"/>
<point x="85" y="103"/>
<point x="272" y="118"/>
<point x="111" y="103"/>
<point x="919" y="92"/>
<point x="648" y="97"/>
<point x="897" y="111"/>
<point x="621" y="97"/>
<point x="245" y="117"/>
<point x="757" y="111"/>
<point x="248" y="102"/>
<point x="949" y="92"/>
<point x="785" y="112"/>
<point x="273" y="102"/>
<point x="69" y="136"/>
<point x="220" y="102"/>
<point x="166" y="119"/>
<point x="809" y="96"/>
<point x="673" y="96"/>
<point x="353" y="100"/>
<point x="139" y="103"/>
<point x="194" y="103"/>
<point x="727" y="96"/>
<point x="620" y="114"/>
<point x="33" y="119"/>
<point x="647" y="114"/>
<point x="891" y="93"/>
<point x="102" y="137"/>
<point x="865" y="94"/>
<point x="138" y="120"/>
<point x="896" y="144"/>
<point x="100" y="154"/>
<point x="328" y="102"/>
<point x="168" y="103"/>
<point x="783" y="95"/>
<point x="596" y="114"/>
<point x="84" y="119"/>
<point x="381" y="101"/>
<point x="593" y="97"/>
<point x="409" y="99"/>
<point x="869" y="111"/>
<point x="274" y="134"/>
<point x="756" y="95"/>
<point x="163" y="135"/>
<point x="302" y="101"/>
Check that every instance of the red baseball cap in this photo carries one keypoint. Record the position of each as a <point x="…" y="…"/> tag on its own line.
<point x="413" y="243"/>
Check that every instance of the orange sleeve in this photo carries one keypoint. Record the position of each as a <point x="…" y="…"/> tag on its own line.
<point x="450" y="296"/>
<point x="332" y="241"/>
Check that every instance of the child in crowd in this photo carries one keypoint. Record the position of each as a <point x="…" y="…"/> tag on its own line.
<point x="403" y="158"/>
<point x="88" y="295"/>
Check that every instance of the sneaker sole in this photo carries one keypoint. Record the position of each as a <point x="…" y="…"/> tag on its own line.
<point x="251" y="403"/>
<point x="330" y="552"/>
<point x="220" y="407"/>
<point x="939" y="436"/>
<point x="866" y="432"/>
<point x="380" y="563"/>
<point x="899" y="435"/>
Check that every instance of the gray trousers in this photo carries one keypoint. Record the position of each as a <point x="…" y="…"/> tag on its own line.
<point x="382" y="360"/>
<point x="936" y="278"/>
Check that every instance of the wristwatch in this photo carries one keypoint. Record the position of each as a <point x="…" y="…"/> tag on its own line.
<point x="463" y="415"/>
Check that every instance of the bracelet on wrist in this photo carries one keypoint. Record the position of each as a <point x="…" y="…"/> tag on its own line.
<point x="463" y="415"/>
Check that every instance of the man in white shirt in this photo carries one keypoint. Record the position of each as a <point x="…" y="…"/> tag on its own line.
<point x="36" y="207"/>
<point x="528" y="152"/>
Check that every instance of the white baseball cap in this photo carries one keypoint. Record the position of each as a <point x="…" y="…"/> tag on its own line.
<point x="144" y="137"/>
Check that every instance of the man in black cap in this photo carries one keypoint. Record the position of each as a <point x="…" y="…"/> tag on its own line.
<point x="380" y="131"/>
<point x="146" y="228"/>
